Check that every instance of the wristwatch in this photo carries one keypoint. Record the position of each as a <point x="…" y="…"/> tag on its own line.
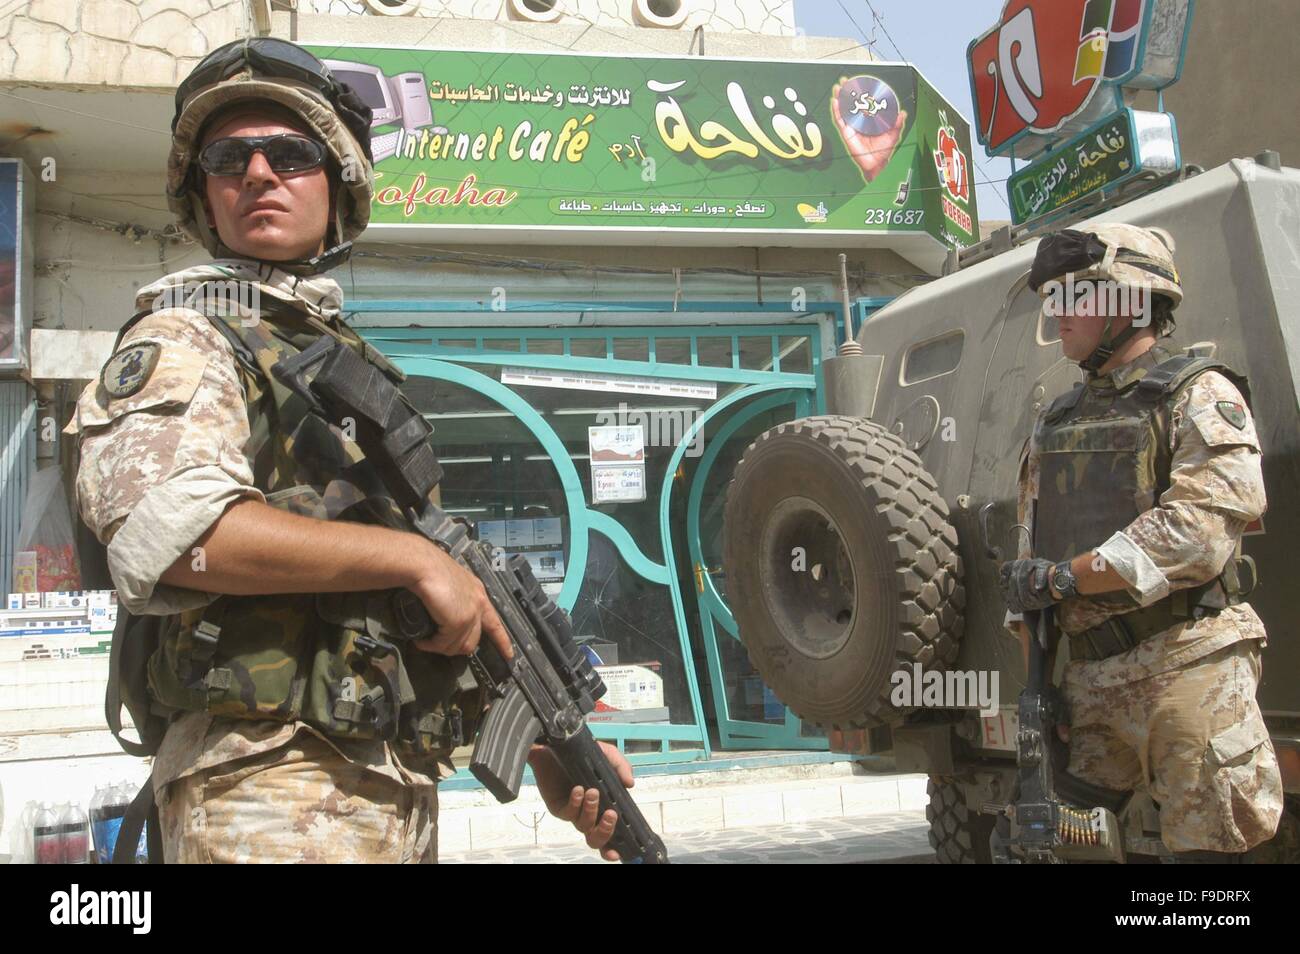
<point x="1064" y="581"/>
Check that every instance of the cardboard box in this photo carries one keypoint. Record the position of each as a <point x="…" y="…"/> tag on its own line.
<point x="493" y="532"/>
<point x="519" y="534"/>
<point x="548" y="532"/>
<point x="630" y="687"/>
<point x="547" y="565"/>
<point x="69" y="599"/>
<point x="25" y="572"/>
<point x="629" y="715"/>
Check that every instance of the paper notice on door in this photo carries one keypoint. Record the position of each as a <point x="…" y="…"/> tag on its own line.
<point x="611" y="383"/>
<point x="617" y="484"/>
<point x="616" y="445"/>
<point x="617" y="464"/>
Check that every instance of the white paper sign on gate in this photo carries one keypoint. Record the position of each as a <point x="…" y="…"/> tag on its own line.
<point x="617" y="463"/>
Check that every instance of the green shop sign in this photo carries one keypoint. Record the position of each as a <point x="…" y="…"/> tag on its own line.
<point x="1117" y="149"/>
<point x="483" y="146"/>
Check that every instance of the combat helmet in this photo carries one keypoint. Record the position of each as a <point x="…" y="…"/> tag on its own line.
<point x="269" y="69"/>
<point x="1127" y="255"/>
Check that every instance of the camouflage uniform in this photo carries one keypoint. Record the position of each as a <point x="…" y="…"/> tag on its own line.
<point x="158" y="467"/>
<point x="1176" y="715"/>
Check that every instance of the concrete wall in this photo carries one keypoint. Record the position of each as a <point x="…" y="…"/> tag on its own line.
<point x="139" y="44"/>
<point x="566" y="34"/>
<point x="774" y="17"/>
<point x="1237" y="94"/>
<point x="147" y="43"/>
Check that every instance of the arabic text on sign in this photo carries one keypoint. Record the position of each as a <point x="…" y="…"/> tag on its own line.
<point x="676" y="132"/>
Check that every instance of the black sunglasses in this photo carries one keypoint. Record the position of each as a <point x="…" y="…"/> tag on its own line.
<point x="284" y="152"/>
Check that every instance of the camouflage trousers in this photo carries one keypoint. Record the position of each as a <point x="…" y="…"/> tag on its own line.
<point x="1194" y="739"/>
<point x="302" y="802"/>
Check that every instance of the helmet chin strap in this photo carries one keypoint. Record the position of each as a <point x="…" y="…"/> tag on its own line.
<point x="1103" y="352"/>
<point x="1108" y="346"/>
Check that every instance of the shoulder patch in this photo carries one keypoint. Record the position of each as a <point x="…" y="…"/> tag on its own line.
<point x="128" y="370"/>
<point x="1232" y="412"/>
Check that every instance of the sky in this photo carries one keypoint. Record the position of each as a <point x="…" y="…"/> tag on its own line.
<point x="932" y="36"/>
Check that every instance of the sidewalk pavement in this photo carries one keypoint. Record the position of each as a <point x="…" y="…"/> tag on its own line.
<point x="885" y="838"/>
<point x="698" y="808"/>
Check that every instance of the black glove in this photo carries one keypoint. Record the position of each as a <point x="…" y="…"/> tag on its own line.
<point x="1025" y="584"/>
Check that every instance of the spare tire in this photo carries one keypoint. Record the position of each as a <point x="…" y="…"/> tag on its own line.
<point x="842" y="568"/>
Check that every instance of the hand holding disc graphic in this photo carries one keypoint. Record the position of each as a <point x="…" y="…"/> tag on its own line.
<point x="871" y="139"/>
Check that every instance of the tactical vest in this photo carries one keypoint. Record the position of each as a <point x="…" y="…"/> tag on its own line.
<point x="1104" y="459"/>
<point x="327" y="659"/>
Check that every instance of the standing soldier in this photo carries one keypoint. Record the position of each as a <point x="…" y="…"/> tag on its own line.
<point x="1138" y="485"/>
<point x="255" y="550"/>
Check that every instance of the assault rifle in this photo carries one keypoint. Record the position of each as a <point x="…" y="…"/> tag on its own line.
<point x="544" y="692"/>
<point x="1054" y="816"/>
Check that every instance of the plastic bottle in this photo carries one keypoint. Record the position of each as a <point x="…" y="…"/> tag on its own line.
<point x="47" y="846"/>
<point x="75" y="835"/>
<point x="98" y="830"/>
<point x="20" y="838"/>
<point x="121" y="801"/>
<point x="125" y="793"/>
<point x="105" y="820"/>
<point x="93" y="812"/>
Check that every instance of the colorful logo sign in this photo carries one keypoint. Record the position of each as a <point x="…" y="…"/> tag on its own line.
<point x="951" y="162"/>
<point x="1046" y="60"/>
<point x="954" y="173"/>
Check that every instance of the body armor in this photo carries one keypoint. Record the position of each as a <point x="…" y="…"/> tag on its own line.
<point x="1104" y="459"/>
<point x="329" y="659"/>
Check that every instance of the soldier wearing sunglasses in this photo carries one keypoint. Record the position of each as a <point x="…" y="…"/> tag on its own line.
<point x="254" y="549"/>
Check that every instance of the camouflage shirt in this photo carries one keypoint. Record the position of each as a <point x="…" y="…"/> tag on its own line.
<point x="159" y="466"/>
<point x="1216" y="488"/>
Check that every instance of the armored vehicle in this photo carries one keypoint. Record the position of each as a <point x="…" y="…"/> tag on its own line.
<point x="857" y="544"/>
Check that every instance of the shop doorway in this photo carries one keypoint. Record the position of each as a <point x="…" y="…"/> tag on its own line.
<point x="748" y="713"/>
<point x="625" y="540"/>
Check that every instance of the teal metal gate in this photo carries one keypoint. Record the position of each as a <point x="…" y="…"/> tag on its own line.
<point x="745" y="372"/>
